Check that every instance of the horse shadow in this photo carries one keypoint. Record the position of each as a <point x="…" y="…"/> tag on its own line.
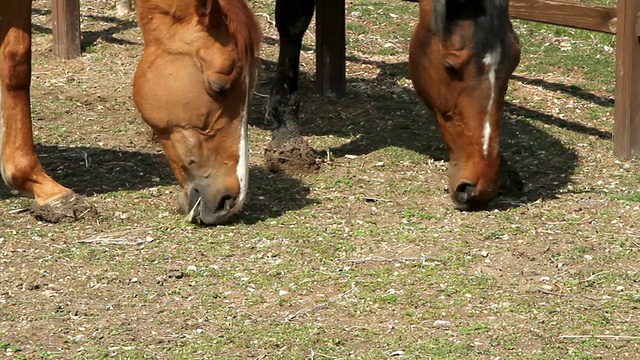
<point x="373" y="119"/>
<point x="92" y="171"/>
<point x="391" y="118"/>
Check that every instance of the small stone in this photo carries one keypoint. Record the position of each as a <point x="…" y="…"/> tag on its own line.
<point x="442" y="323"/>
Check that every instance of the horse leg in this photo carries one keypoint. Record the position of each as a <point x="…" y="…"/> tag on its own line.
<point x="287" y="149"/>
<point x="19" y="164"/>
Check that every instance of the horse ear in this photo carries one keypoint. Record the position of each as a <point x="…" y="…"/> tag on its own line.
<point x="211" y="13"/>
<point x="457" y="59"/>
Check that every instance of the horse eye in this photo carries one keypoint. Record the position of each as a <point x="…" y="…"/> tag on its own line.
<point x="448" y="116"/>
<point x="451" y="70"/>
<point x="216" y="87"/>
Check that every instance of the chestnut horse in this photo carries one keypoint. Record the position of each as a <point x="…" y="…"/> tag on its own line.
<point x="461" y="57"/>
<point x="192" y="87"/>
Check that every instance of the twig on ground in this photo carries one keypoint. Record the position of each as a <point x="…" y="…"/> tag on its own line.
<point x="399" y="259"/>
<point x="313" y="355"/>
<point x="87" y="161"/>
<point x="373" y="199"/>
<point x="19" y="211"/>
<point x="319" y="306"/>
<point x="593" y="277"/>
<point x="547" y="292"/>
<point x="614" y="337"/>
<point x="267" y="17"/>
<point x="114" y="239"/>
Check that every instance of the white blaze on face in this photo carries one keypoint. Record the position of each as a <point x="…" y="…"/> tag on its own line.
<point x="491" y="60"/>
<point x="242" y="170"/>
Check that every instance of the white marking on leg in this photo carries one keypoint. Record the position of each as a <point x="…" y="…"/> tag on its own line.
<point x="242" y="170"/>
<point x="491" y="59"/>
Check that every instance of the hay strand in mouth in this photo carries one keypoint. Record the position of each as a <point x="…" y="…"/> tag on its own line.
<point x="194" y="210"/>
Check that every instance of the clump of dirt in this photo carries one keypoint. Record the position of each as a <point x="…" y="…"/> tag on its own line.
<point x="67" y="208"/>
<point x="288" y="151"/>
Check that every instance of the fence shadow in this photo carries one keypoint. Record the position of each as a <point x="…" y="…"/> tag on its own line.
<point x="90" y="37"/>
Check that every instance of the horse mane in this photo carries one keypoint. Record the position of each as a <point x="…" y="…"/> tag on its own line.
<point x="490" y="18"/>
<point x="245" y="30"/>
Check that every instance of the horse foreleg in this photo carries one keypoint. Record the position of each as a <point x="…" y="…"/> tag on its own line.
<point x="287" y="149"/>
<point x="19" y="164"/>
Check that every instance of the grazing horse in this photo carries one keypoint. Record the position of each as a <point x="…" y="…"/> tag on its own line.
<point x="461" y="56"/>
<point x="192" y="87"/>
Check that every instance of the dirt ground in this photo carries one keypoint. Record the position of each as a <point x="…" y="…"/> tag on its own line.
<point x="363" y="258"/>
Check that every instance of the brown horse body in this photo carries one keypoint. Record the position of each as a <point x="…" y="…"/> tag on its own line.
<point x="192" y="88"/>
<point x="462" y="54"/>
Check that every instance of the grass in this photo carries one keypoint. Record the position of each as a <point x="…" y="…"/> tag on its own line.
<point x="365" y="259"/>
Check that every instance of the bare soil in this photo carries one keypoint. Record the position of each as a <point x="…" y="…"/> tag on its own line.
<point x="363" y="257"/>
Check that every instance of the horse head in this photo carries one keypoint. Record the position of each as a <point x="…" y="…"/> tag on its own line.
<point x="192" y="87"/>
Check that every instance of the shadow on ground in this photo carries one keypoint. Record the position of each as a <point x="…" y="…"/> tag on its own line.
<point x="90" y="171"/>
<point x="377" y="113"/>
<point x="91" y="37"/>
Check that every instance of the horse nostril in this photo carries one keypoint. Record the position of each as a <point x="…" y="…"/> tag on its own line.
<point x="464" y="192"/>
<point x="227" y="202"/>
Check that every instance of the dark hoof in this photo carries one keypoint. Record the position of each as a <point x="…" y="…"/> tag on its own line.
<point x="67" y="208"/>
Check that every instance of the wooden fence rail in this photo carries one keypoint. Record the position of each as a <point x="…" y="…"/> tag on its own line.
<point x="623" y="21"/>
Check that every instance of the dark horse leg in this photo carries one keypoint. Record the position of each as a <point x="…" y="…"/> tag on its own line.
<point x="287" y="149"/>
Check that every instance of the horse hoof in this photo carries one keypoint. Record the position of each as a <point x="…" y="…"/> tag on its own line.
<point x="67" y="208"/>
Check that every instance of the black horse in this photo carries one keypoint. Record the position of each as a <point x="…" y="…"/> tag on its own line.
<point x="288" y="150"/>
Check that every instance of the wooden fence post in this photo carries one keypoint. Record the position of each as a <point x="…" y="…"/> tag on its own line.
<point x="626" y="135"/>
<point x="330" y="47"/>
<point x="66" y="28"/>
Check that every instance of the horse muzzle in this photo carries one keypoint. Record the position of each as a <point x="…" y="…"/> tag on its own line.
<point x="207" y="205"/>
<point x="467" y="197"/>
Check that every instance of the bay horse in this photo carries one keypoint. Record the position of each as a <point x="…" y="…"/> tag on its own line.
<point x="192" y="87"/>
<point x="462" y="54"/>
